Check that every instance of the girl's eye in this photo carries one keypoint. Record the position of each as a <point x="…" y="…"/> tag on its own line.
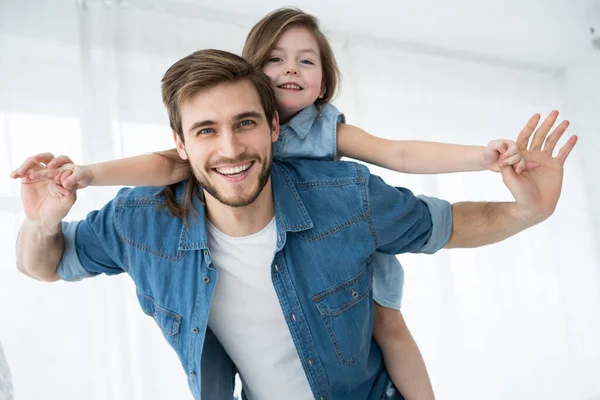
<point x="246" y="122"/>
<point x="307" y="62"/>
<point x="275" y="59"/>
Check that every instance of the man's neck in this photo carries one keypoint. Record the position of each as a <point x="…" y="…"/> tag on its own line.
<point x="241" y="221"/>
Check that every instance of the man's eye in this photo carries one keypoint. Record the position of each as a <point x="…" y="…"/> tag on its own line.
<point x="247" y="122"/>
<point x="205" y="131"/>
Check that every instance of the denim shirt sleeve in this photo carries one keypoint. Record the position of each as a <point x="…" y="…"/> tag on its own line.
<point x="404" y="223"/>
<point x="441" y="218"/>
<point x="92" y="246"/>
<point x="69" y="267"/>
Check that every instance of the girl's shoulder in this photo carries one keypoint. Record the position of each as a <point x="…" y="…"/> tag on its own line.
<point x="330" y="112"/>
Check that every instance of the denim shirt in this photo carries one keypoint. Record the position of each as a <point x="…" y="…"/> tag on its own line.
<point x="312" y="133"/>
<point x="331" y="217"/>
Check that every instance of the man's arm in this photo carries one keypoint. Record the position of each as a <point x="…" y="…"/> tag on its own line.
<point x="416" y="228"/>
<point x="480" y="224"/>
<point x="40" y="242"/>
<point x="39" y="251"/>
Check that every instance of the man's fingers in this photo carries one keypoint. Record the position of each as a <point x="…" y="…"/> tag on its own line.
<point x="531" y="165"/>
<point x="44" y="174"/>
<point x="59" y="161"/>
<point x="30" y="163"/>
<point x="540" y="134"/>
<point x="43" y="157"/>
<point x="566" y="150"/>
<point x="555" y="136"/>
<point x="525" y="134"/>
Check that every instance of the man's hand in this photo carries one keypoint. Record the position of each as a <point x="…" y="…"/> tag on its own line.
<point x="503" y="153"/>
<point x="45" y="202"/>
<point x="537" y="191"/>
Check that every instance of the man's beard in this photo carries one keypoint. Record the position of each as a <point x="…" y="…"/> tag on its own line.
<point x="263" y="178"/>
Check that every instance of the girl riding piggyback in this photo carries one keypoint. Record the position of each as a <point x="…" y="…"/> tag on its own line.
<point x="288" y="46"/>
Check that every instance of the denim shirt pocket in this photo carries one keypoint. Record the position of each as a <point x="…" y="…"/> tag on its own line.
<point x="345" y="311"/>
<point x="168" y="321"/>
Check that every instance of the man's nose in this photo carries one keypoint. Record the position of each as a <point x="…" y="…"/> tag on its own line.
<point x="230" y="146"/>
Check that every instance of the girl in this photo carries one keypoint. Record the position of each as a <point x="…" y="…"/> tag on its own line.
<point x="289" y="47"/>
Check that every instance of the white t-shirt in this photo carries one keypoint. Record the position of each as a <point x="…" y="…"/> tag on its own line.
<point x="246" y="317"/>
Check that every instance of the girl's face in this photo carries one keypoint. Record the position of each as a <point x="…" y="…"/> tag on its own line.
<point x="294" y="67"/>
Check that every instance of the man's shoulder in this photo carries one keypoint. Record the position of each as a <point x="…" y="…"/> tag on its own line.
<point x="144" y="196"/>
<point x="301" y="171"/>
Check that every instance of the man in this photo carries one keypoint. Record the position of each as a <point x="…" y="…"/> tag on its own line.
<point x="290" y="243"/>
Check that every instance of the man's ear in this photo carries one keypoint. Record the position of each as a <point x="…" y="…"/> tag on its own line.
<point x="180" y="146"/>
<point x="275" y="127"/>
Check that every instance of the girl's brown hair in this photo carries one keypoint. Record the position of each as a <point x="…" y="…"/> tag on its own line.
<point x="264" y="36"/>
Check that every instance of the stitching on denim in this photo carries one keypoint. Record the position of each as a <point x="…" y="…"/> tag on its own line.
<point x="319" y="299"/>
<point x="192" y="356"/>
<point x="176" y="318"/>
<point x="349" y="282"/>
<point x="327" y="183"/>
<point x="139" y="246"/>
<point x="367" y="205"/>
<point x="331" y="231"/>
<point x="299" y="203"/>
<point x="320" y="382"/>
<point x="332" y="336"/>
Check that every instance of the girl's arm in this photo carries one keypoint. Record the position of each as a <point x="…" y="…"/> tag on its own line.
<point x="417" y="157"/>
<point x="156" y="169"/>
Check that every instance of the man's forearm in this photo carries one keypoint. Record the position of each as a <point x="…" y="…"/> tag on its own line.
<point x="39" y="251"/>
<point x="477" y="224"/>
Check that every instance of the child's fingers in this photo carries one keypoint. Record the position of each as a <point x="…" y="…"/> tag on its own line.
<point x="519" y="166"/>
<point x="498" y="145"/>
<point x="512" y="160"/>
<point x="511" y="150"/>
<point x="59" y="162"/>
<point x="57" y="189"/>
<point x="67" y="179"/>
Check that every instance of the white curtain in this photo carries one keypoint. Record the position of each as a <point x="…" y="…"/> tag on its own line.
<point x="517" y="320"/>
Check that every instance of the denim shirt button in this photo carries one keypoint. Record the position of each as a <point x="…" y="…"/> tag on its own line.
<point x="192" y="372"/>
<point x="310" y="362"/>
<point x="293" y="317"/>
<point x="206" y="279"/>
<point x="276" y="268"/>
<point x="195" y="330"/>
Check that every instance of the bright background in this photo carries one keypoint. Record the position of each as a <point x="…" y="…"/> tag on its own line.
<point x="518" y="320"/>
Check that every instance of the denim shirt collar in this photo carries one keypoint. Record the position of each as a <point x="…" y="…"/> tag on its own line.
<point x="303" y="121"/>
<point x="290" y="213"/>
<point x="193" y="235"/>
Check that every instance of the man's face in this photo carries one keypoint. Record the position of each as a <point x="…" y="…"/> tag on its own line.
<point x="228" y="142"/>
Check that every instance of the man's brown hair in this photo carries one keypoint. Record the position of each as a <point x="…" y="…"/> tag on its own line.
<point x="202" y="70"/>
<point x="264" y="36"/>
